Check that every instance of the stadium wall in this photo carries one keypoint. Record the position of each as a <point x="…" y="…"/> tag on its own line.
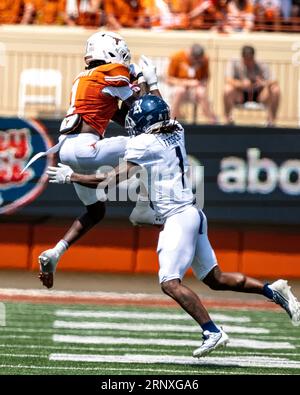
<point x="121" y="248"/>
<point x="62" y="48"/>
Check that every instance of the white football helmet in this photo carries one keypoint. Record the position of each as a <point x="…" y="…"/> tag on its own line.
<point x="107" y="46"/>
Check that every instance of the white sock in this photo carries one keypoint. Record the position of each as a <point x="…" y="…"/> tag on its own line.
<point x="61" y="247"/>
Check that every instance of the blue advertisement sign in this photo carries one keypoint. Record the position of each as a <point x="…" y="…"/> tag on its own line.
<point x="21" y="139"/>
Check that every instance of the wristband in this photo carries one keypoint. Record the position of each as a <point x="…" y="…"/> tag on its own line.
<point x="153" y="86"/>
<point x="141" y="79"/>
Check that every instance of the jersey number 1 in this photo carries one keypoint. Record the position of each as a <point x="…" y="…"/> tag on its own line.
<point x="181" y="165"/>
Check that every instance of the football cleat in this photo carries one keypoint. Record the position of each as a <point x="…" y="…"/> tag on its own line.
<point x="211" y="341"/>
<point x="283" y="296"/>
<point x="48" y="261"/>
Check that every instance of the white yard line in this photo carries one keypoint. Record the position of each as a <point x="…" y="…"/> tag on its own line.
<point x="141" y="315"/>
<point x="82" y="294"/>
<point x="59" y="347"/>
<point x="116" y="297"/>
<point x="234" y="342"/>
<point x="135" y="327"/>
<point x="263" y="362"/>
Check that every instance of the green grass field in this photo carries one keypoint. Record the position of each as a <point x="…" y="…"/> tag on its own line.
<point x="104" y="340"/>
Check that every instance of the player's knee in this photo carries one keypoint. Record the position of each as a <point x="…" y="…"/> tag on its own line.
<point x="240" y="280"/>
<point x="96" y="212"/>
<point x="170" y="287"/>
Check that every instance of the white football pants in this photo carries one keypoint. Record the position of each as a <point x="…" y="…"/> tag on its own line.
<point x="183" y="243"/>
<point x="85" y="153"/>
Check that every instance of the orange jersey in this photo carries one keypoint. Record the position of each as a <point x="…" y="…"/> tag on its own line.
<point x="88" y="100"/>
<point x="180" y="67"/>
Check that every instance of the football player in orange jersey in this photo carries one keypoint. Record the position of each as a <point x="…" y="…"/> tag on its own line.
<point x="82" y="146"/>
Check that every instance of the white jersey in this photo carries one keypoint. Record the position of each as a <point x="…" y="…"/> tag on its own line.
<point x="164" y="157"/>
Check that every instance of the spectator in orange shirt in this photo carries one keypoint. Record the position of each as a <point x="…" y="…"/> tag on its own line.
<point x="189" y="74"/>
<point x="84" y="13"/>
<point x="268" y="13"/>
<point x="167" y="14"/>
<point x="240" y="16"/>
<point x="124" y="13"/>
<point x="49" y="12"/>
<point x="15" y="11"/>
<point x="210" y="14"/>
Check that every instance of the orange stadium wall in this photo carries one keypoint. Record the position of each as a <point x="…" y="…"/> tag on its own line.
<point x="125" y="249"/>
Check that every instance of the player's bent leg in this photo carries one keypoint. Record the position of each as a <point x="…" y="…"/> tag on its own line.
<point x="187" y="299"/>
<point x="48" y="260"/>
<point x="283" y="296"/>
<point x="227" y="281"/>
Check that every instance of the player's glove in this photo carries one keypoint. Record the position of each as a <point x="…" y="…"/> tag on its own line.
<point x="149" y="71"/>
<point x="136" y="73"/>
<point x="59" y="175"/>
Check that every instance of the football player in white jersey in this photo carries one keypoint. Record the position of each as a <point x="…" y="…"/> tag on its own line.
<point x="157" y="146"/>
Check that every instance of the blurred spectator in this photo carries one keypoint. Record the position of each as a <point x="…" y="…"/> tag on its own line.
<point x="84" y="13"/>
<point x="249" y="81"/>
<point x="125" y="13"/>
<point x="48" y="12"/>
<point x="209" y="13"/>
<point x="286" y="9"/>
<point x="189" y="74"/>
<point x="15" y="11"/>
<point x="179" y="10"/>
<point x="295" y="8"/>
<point x="240" y="16"/>
<point x="268" y="13"/>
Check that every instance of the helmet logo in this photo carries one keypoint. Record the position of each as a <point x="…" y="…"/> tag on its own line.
<point x="117" y="40"/>
<point x="137" y="107"/>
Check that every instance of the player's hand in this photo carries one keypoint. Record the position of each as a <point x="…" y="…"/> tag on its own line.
<point x="59" y="175"/>
<point x="149" y="70"/>
<point x="135" y="71"/>
<point x="46" y="279"/>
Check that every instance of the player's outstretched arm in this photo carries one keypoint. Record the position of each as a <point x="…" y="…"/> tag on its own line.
<point x="63" y="174"/>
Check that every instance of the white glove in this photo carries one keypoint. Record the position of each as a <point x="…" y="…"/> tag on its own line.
<point x="59" y="175"/>
<point x="149" y="71"/>
<point x="135" y="71"/>
<point x="143" y="214"/>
